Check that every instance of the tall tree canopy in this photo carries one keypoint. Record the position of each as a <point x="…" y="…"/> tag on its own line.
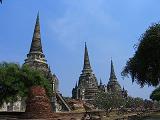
<point x="144" y="66"/>
<point x="155" y="94"/>
<point x="15" y="81"/>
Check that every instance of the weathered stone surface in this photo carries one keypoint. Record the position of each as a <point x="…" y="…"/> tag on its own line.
<point x="36" y="59"/>
<point x="87" y="85"/>
<point x="38" y="104"/>
<point x="113" y="85"/>
<point x="94" y="115"/>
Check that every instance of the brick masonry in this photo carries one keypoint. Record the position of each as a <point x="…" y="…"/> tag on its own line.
<point x="38" y="104"/>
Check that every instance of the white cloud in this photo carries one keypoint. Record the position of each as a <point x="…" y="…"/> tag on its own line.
<point x="81" y="20"/>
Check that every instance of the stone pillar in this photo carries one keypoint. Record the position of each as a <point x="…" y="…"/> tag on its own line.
<point x="38" y="105"/>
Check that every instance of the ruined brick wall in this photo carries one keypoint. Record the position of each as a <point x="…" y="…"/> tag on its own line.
<point x="38" y="104"/>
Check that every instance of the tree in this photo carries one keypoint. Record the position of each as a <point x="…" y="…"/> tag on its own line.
<point x="155" y="95"/>
<point x="138" y="102"/>
<point x="132" y="102"/>
<point x="102" y="101"/>
<point x="15" y="81"/>
<point x="144" y="66"/>
<point x="106" y="101"/>
<point x="129" y="102"/>
<point x="148" y="104"/>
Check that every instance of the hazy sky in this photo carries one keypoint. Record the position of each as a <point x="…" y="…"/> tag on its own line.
<point x="110" y="28"/>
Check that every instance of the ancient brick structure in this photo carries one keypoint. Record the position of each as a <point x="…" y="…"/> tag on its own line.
<point x="87" y="85"/>
<point x="36" y="60"/>
<point x="113" y="86"/>
<point x="38" y="105"/>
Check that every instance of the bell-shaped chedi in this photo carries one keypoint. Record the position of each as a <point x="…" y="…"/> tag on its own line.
<point x="38" y="104"/>
<point x="113" y="85"/>
<point x="87" y="86"/>
<point x="36" y="60"/>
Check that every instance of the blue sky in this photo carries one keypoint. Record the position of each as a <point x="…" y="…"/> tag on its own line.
<point x="110" y="28"/>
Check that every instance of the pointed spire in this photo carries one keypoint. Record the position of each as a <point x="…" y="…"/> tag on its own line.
<point x="123" y="88"/>
<point x="86" y="66"/>
<point x="49" y="69"/>
<point x="76" y="85"/>
<point x="100" y="82"/>
<point x="36" y="45"/>
<point x="112" y="73"/>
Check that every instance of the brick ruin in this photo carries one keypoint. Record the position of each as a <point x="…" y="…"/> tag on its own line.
<point x="37" y="104"/>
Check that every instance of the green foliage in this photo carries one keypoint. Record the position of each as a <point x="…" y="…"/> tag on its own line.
<point x="15" y="81"/>
<point x="148" y="104"/>
<point x="155" y="95"/>
<point x="101" y="101"/>
<point x="138" y="102"/>
<point x="156" y="104"/>
<point x="106" y="100"/>
<point x="32" y="77"/>
<point x="132" y="102"/>
<point x="144" y="66"/>
<point x="129" y="102"/>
